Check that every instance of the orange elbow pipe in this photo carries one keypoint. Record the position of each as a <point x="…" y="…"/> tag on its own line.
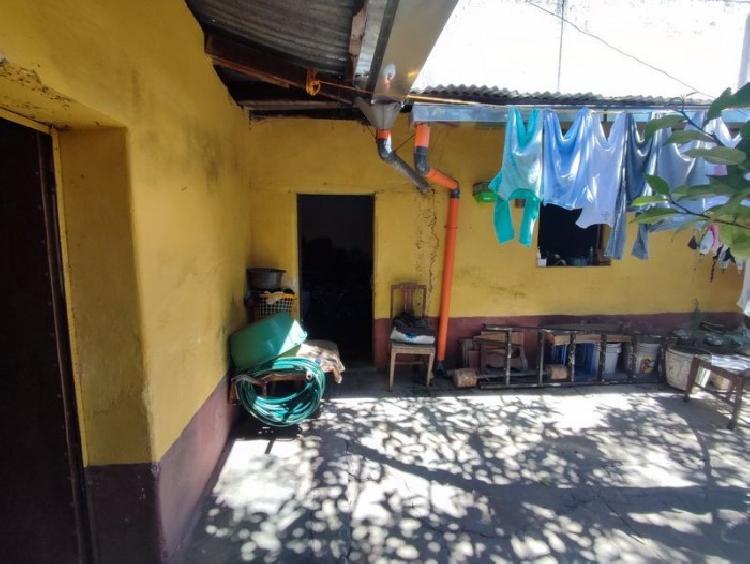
<point x="421" y="144"/>
<point x="435" y="176"/>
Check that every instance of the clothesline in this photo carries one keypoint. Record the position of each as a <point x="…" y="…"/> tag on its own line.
<point x="584" y="169"/>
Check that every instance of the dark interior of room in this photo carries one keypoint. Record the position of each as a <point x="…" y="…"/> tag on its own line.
<point x="335" y="258"/>
<point x="562" y="242"/>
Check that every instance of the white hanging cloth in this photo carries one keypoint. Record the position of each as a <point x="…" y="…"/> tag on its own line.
<point x="604" y="174"/>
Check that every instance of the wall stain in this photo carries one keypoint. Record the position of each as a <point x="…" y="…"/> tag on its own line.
<point x="427" y="242"/>
<point x="30" y="79"/>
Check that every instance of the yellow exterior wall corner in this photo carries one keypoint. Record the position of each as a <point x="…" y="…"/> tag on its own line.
<point x="128" y="83"/>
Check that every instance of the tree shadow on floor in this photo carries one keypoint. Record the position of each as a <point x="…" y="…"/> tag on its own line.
<point x="603" y="474"/>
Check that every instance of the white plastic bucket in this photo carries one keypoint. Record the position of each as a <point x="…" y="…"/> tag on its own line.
<point x="678" y="369"/>
<point x="646" y="357"/>
<point x="611" y="357"/>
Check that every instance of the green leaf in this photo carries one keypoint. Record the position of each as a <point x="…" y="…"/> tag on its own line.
<point x="655" y="215"/>
<point x="745" y="131"/>
<point x="731" y="210"/>
<point x="688" y="224"/>
<point x="719" y="155"/>
<point x="658" y="184"/>
<point x="720" y="104"/>
<point x="646" y="200"/>
<point x="687" y="135"/>
<point x="702" y="191"/>
<point x="741" y="99"/>
<point x="670" y="120"/>
<point x="734" y="179"/>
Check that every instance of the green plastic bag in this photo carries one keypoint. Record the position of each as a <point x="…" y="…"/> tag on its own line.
<point x="483" y="194"/>
<point x="265" y="340"/>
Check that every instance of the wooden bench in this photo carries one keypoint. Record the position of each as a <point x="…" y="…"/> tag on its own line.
<point x="735" y="368"/>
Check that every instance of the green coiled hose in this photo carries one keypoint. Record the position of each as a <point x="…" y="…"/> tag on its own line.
<point x="287" y="410"/>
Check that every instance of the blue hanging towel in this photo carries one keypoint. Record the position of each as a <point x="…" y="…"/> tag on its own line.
<point x="639" y="160"/>
<point x="566" y="160"/>
<point x="677" y="169"/>
<point x="520" y="176"/>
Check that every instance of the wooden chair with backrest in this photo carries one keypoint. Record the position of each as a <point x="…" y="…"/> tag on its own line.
<point x="413" y="300"/>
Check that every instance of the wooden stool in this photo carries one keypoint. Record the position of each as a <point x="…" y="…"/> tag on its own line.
<point x="417" y="350"/>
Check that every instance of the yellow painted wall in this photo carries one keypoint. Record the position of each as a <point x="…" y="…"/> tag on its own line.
<point x="160" y="220"/>
<point x="155" y="206"/>
<point x="334" y="157"/>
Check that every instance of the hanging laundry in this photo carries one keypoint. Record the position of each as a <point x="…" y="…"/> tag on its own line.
<point x="674" y="166"/>
<point x="718" y="128"/>
<point x="638" y="161"/>
<point x="677" y="169"/>
<point x="520" y="176"/>
<point x="566" y="160"/>
<point x="710" y="241"/>
<point x="604" y="174"/>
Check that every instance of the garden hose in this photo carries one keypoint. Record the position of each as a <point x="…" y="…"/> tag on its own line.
<point x="286" y="410"/>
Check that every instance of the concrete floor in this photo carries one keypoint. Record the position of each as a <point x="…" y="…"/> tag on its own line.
<point x="622" y="473"/>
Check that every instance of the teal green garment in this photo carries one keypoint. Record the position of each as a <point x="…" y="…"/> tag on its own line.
<point x="520" y="176"/>
<point x="503" y="218"/>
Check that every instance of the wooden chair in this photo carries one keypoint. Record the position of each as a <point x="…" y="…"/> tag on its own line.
<point x="413" y="301"/>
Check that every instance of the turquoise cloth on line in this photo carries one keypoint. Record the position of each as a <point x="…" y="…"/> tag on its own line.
<point x="520" y="176"/>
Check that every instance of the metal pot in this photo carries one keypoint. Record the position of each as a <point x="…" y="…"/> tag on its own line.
<point x="264" y="278"/>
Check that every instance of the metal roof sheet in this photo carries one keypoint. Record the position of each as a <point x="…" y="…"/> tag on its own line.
<point x="312" y="34"/>
<point x="504" y="97"/>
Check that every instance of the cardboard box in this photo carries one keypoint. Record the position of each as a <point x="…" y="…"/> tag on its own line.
<point x="557" y="371"/>
<point x="465" y="378"/>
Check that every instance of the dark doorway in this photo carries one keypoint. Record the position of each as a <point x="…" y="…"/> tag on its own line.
<point x="42" y="499"/>
<point x="335" y="257"/>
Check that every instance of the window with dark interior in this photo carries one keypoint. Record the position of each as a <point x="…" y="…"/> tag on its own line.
<point x="562" y="243"/>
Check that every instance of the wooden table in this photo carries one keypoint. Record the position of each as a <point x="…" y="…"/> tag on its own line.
<point x="733" y="367"/>
<point x="571" y="336"/>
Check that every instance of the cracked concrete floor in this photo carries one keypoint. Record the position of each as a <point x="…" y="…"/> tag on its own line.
<point x="623" y="473"/>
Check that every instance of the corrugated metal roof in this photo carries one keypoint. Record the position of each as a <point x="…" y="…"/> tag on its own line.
<point x="505" y="97"/>
<point x="311" y="33"/>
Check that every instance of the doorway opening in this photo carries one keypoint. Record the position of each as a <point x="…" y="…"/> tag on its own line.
<point x="335" y="266"/>
<point x="44" y="508"/>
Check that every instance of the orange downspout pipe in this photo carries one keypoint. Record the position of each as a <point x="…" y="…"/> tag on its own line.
<point x="433" y="175"/>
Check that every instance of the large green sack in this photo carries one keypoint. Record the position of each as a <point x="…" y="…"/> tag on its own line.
<point x="264" y="340"/>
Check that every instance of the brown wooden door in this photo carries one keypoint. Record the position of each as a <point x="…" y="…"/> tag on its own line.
<point x="40" y="469"/>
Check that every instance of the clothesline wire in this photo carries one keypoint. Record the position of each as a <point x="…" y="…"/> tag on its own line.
<point x="614" y="48"/>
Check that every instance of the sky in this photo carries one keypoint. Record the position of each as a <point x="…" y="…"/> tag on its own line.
<point x="668" y="48"/>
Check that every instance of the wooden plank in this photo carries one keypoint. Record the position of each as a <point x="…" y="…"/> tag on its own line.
<point x="556" y="338"/>
<point x="508" y="354"/>
<point x="572" y="357"/>
<point x="540" y="357"/>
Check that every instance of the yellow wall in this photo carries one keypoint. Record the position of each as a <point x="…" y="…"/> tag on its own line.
<point x="155" y="206"/>
<point x="159" y="218"/>
<point x="335" y="157"/>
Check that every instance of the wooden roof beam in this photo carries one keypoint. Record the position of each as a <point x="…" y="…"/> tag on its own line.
<point x="266" y="67"/>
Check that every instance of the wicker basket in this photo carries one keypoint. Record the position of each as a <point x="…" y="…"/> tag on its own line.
<point x="678" y="368"/>
<point x="261" y="309"/>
